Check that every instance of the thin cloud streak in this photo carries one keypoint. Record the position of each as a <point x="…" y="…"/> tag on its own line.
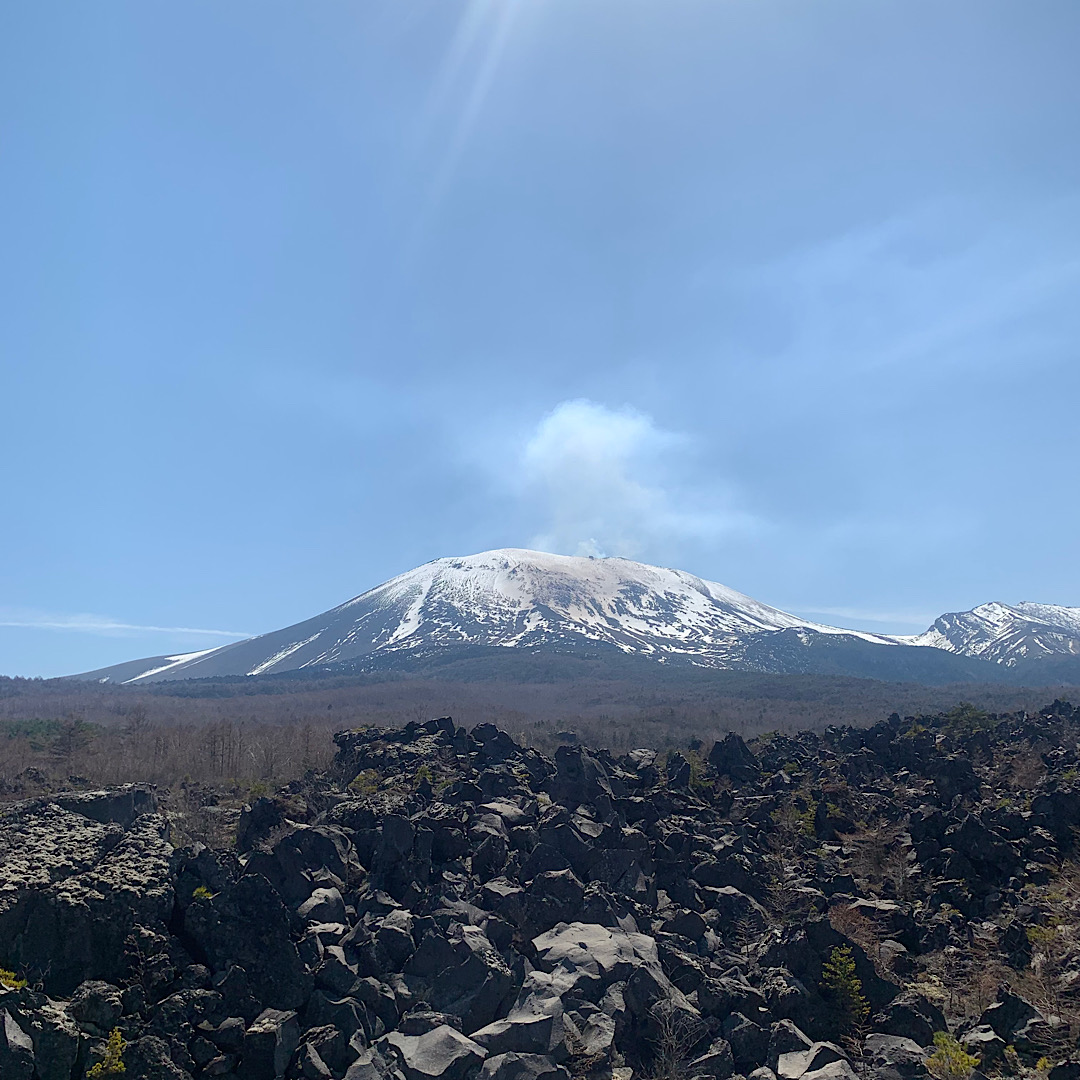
<point x="907" y="618"/>
<point x="102" y="624"/>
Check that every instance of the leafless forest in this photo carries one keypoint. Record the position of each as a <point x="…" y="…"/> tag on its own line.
<point x="235" y="735"/>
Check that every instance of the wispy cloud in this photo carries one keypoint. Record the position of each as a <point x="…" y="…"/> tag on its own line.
<point x="100" y="624"/>
<point x="948" y="287"/>
<point x="926" y="289"/>
<point x="903" y="618"/>
<point x="611" y="482"/>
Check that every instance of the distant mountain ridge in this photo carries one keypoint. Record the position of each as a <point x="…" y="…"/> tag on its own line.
<point x="1007" y="634"/>
<point x="517" y="599"/>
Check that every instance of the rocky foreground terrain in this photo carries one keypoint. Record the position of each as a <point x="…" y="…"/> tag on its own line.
<point x="447" y="904"/>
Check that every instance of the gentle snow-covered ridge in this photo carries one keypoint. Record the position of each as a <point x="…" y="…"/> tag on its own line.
<point x="513" y="597"/>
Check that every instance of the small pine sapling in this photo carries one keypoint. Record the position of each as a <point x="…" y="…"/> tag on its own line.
<point x="112" y="1064"/>
<point x="844" y="987"/>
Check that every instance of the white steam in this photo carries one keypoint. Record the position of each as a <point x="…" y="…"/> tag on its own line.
<point x="610" y="482"/>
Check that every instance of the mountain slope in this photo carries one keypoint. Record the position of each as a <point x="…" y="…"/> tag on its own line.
<point x="506" y="598"/>
<point x="531" y="601"/>
<point x="1007" y="634"/>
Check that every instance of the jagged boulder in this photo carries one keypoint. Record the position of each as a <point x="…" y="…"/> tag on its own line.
<point x="533" y="1025"/>
<point x="16" y="1049"/>
<point x="440" y="1054"/>
<point x="478" y="985"/>
<point x="592" y="957"/>
<point x="910" y="1016"/>
<point x="50" y="1028"/>
<point x="72" y="887"/>
<point x="269" y="1044"/>
<point x="96" y="1006"/>
<point x="150" y="1058"/>
<point x="732" y="757"/>
<point x="895" y="1058"/>
<point x="1009" y="1014"/>
<point x="819" y="1061"/>
<point x="249" y="926"/>
<point x="579" y="777"/>
<point x="717" y="1061"/>
<point x="511" y="1066"/>
<point x="120" y="806"/>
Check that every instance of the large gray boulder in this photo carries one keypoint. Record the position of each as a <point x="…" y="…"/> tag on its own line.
<point x="249" y="925"/>
<point x="72" y="887"/>
<point x="732" y="757"/>
<point x="910" y="1016"/>
<point x="587" y="960"/>
<point x="323" y="906"/>
<point x="96" y="1006"/>
<point x="786" y="1038"/>
<point x="895" y="1058"/>
<point x="120" y="806"/>
<point x="579" y="777"/>
<point x="1009" y="1014"/>
<point x="716" y="1062"/>
<point x="148" y="1058"/>
<point x="834" y="1070"/>
<point x="797" y="1064"/>
<point x="462" y="973"/>
<point x="269" y="1045"/>
<point x="513" y="1066"/>
<point x="440" y="1054"/>
<point x="53" y="1033"/>
<point x="16" y="1049"/>
<point x="595" y="956"/>
<point x="522" y="1033"/>
<point x="534" y="1024"/>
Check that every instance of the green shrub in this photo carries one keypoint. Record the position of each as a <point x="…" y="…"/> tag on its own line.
<point x="113" y="1062"/>
<point x="1041" y="937"/>
<point x="202" y="893"/>
<point x="966" y="719"/>
<point x="790" y="817"/>
<point x="699" y="780"/>
<point x="950" y="1061"/>
<point x="11" y="980"/>
<point x="844" y="987"/>
<point x="365" y="783"/>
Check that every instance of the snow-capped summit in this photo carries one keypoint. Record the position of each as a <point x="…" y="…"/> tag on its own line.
<point x="508" y="597"/>
<point x="1007" y="634"/>
<point x="516" y="598"/>
<point x="512" y="596"/>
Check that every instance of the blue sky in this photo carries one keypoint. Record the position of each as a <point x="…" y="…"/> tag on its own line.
<point x="300" y="295"/>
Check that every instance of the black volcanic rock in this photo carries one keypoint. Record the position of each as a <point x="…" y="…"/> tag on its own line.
<point x="460" y="907"/>
<point x="731" y="757"/>
<point x="74" y="886"/>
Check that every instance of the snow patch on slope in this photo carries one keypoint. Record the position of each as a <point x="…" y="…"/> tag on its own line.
<point x="171" y="662"/>
<point x="280" y="655"/>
